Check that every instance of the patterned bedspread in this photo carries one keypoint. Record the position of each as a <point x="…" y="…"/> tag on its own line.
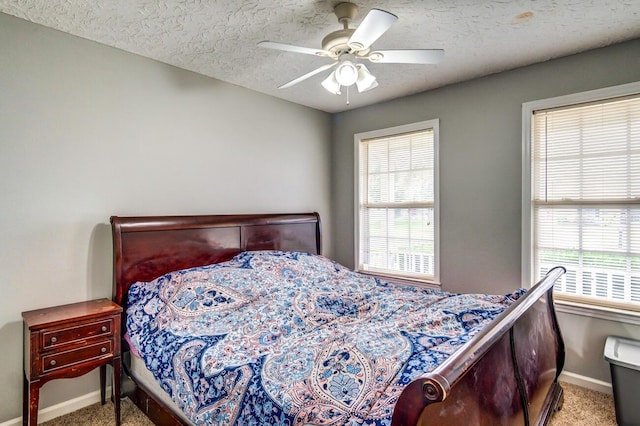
<point x="285" y="338"/>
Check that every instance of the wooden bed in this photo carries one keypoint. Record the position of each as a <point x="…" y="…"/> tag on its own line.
<point x="507" y="374"/>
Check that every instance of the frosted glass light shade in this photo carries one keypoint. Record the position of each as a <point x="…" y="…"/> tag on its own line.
<point x="331" y="84"/>
<point x="366" y="81"/>
<point x="344" y="76"/>
<point x="346" y="73"/>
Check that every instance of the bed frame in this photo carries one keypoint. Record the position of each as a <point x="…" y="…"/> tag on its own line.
<point x="507" y="374"/>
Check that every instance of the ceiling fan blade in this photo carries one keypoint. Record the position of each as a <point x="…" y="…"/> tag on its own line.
<point x="376" y="23"/>
<point x="407" y="56"/>
<point x="307" y="75"/>
<point x="291" y="48"/>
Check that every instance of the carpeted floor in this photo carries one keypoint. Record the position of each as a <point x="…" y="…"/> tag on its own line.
<point x="585" y="407"/>
<point x="581" y="407"/>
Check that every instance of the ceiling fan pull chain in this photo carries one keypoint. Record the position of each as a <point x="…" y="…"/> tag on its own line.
<point x="347" y="95"/>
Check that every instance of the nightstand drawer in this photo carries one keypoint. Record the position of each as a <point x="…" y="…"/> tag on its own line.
<point x="63" y="336"/>
<point x="56" y="360"/>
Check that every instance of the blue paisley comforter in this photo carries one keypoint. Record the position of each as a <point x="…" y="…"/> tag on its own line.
<point x="286" y="338"/>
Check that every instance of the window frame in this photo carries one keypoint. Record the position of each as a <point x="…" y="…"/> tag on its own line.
<point x="434" y="125"/>
<point x="528" y="109"/>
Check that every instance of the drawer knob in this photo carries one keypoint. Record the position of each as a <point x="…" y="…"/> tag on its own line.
<point x="104" y="328"/>
<point x="53" y="362"/>
<point x="103" y="350"/>
<point x="54" y="339"/>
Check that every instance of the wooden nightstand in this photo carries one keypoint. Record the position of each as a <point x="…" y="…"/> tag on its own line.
<point x="69" y="341"/>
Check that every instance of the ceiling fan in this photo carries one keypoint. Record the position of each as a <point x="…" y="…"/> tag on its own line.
<point x="348" y="46"/>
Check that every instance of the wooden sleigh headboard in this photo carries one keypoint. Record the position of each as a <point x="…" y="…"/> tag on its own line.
<point x="145" y="248"/>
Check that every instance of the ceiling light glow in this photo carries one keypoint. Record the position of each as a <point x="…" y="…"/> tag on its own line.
<point x="346" y="73"/>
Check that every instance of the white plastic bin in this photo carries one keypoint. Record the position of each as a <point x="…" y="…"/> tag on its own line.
<point x="624" y="359"/>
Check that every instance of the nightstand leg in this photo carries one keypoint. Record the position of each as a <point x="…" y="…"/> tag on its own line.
<point x="103" y="383"/>
<point x="25" y="400"/>
<point x="117" y="367"/>
<point x="31" y="396"/>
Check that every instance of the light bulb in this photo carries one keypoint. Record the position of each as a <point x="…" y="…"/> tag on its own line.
<point x="346" y="73"/>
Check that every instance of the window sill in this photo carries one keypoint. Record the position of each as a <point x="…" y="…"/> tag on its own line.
<point x="403" y="280"/>
<point x="609" y="314"/>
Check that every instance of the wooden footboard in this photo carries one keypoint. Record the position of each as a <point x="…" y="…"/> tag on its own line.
<point x="506" y="375"/>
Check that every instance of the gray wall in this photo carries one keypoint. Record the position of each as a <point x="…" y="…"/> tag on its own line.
<point x="88" y="131"/>
<point x="480" y="176"/>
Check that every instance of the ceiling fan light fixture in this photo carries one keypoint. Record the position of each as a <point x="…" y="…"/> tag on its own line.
<point x="331" y="84"/>
<point x="347" y="73"/>
<point x="366" y="80"/>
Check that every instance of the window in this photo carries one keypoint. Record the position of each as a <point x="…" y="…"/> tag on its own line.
<point x="584" y="195"/>
<point x="397" y="190"/>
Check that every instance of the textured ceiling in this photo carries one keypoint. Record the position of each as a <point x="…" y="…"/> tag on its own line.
<point x="218" y="38"/>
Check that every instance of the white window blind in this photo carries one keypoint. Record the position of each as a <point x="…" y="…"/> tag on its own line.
<point x="396" y="204"/>
<point x="586" y="199"/>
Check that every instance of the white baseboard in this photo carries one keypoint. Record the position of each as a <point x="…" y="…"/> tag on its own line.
<point x="585" y="382"/>
<point x="62" y="408"/>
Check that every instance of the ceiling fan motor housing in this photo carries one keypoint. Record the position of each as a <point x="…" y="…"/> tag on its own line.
<point x="336" y="42"/>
